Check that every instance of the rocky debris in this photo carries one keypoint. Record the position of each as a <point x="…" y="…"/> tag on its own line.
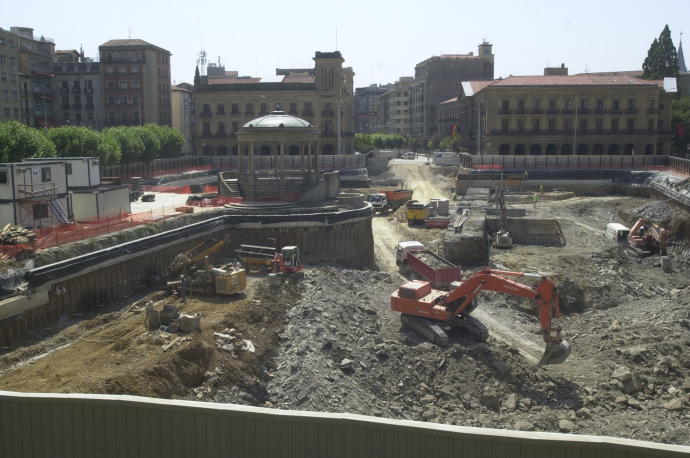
<point x="566" y="425"/>
<point x="674" y="404"/>
<point x="16" y="235"/>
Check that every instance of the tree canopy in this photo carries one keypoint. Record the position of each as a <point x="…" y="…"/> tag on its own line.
<point x="112" y="146"/>
<point x="366" y="142"/>
<point x="662" y="57"/>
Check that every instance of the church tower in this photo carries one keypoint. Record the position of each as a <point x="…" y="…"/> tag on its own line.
<point x="681" y="58"/>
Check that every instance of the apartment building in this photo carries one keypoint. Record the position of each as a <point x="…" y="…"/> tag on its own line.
<point x="366" y="107"/>
<point x="561" y="114"/>
<point x="438" y="79"/>
<point x="78" y="81"/>
<point x="9" y="77"/>
<point x="182" y="104"/>
<point x="136" y="83"/>
<point x="322" y="95"/>
<point x="393" y="111"/>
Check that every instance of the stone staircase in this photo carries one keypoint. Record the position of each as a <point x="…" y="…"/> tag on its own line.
<point x="233" y="188"/>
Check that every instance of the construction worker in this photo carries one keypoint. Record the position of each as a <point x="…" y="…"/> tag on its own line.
<point x="182" y="290"/>
<point x="535" y="198"/>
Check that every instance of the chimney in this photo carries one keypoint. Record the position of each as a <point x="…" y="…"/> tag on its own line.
<point x="556" y="71"/>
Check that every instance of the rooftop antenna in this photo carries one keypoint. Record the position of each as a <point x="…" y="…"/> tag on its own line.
<point x="336" y="38"/>
<point x="586" y="67"/>
<point x="201" y="62"/>
<point x="129" y="32"/>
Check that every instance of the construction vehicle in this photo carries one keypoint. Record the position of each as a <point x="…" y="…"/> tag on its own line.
<point x="646" y="238"/>
<point x="203" y="277"/>
<point x="417" y="212"/>
<point x="385" y="201"/>
<point x="285" y="261"/>
<point x="414" y="256"/>
<point x="431" y="312"/>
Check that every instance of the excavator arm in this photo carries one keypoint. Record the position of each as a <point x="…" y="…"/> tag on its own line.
<point x="544" y="294"/>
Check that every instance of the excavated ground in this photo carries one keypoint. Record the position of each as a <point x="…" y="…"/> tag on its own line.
<point x="329" y="342"/>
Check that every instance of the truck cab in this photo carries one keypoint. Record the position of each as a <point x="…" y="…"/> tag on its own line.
<point x="378" y="200"/>
<point x="404" y="248"/>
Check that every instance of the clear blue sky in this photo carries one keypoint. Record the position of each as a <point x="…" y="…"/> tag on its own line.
<point x="381" y="40"/>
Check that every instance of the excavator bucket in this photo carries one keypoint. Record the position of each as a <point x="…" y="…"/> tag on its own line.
<point x="555" y="353"/>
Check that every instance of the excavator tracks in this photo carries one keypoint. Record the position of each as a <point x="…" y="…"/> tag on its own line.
<point x="472" y="325"/>
<point x="428" y="328"/>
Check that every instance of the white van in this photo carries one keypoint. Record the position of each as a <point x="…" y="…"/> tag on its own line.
<point x="616" y="232"/>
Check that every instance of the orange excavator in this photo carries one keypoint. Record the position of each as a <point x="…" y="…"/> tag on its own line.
<point x="645" y="238"/>
<point x="431" y="312"/>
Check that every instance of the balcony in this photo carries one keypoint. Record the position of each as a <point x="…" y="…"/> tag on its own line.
<point x="505" y="111"/>
<point x="205" y="114"/>
<point x="307" y="113"/>
<point x="250" y="113"/>
<point x="328" y="113"/>
<point x="552" y="111"/>
<point x="536" y="111"/>
<point x="328" y="133"/>
<point x="568" y="111"/>
<point x="652" y="111"/>
<point x="615" y="111"/>
<point x="64" y="90"/>
<point x="599" y="111"/>
<point x="579" y="133"/>
<point x="631" y="111"/>
<point x="88" y="90"/>
<point x="76" y="90"/>
<point x="583" y="111"/>
<point x="520" y="111"/>
<point x="76" y="106"/>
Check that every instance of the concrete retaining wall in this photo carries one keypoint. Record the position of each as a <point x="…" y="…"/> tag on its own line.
<point x="529" y="231"/>
<point x="70" y="426"/>
<point x="348" y="242"/>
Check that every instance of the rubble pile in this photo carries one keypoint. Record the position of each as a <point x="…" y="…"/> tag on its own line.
<point x="16" y="235"/>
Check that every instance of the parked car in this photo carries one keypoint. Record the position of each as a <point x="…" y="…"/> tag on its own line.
<point x="409" y="156"/>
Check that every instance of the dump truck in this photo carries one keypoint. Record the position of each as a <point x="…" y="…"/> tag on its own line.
<point x="384" y="201"/>
<point x="414" y="256"/>
<point x="285" y="261"/>
<point x="417" y="213"/>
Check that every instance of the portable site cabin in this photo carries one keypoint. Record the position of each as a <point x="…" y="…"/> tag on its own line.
<point x="617" y="232"/>
<point x="33" y="194"/>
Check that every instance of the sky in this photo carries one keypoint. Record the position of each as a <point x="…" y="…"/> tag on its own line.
<point x="380" y="40"/>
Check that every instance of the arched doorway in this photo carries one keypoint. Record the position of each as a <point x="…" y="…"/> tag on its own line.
<point x="293" y="150"/>
<point x="535" y="149"/>
<point x="222" y="150"/>
<point x="328" y="149"/>
<point x="648" y="150"/>
<point x="629" y="149"/>
<point x="598" y="148"/>
<point x="520" y="149"/>
<point x="265" y="150"/>
<point x="504" y="149"/>
<point x="613" y="149"/>
<point x="551" y="149"/>
<point x="582" y="149"/>
<point x="566" y="149"/>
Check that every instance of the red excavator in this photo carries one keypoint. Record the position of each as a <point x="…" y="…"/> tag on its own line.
<point x="430" y="312"/>
<point x="645" y="238"/>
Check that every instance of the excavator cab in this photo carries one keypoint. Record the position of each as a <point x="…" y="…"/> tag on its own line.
<point x="291" y="259"/>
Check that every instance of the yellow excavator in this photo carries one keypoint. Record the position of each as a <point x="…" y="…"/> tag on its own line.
<point x="204" y="278"/>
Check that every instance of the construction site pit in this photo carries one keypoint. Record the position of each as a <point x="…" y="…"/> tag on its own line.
<point x="328" y="341"/>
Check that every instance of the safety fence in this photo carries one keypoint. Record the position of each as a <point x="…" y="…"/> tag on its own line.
<point x="679" y="165"/>
<point x="52" y="236"/>
<point x="46" y="425"/>
<point x="187" y="189"/>
<point x="540" y="162"/>
<point x="157" y="167"/>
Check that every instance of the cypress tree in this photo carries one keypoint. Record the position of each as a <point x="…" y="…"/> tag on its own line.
<point x="197" y="77"/>
<point x="662" y="57"/>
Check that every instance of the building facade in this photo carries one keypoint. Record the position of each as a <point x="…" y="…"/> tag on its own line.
<point x="578" y="114"/>
<point x="9" y="77"/>
<point x="136" y="83"/>
<point x="36" y="90"/>
<point x="393" y="112"/>
<point x="78" y="81"/>
<point x="366" y="107"/>
<point x="181" y="101"/>
<point x="322" y="95"/>
<point x="437" y="79"/>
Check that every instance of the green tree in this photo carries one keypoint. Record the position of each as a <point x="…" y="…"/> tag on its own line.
<point x="662" y="58"/>
<point x="130" y="144"/>
<point x="18" y="141"/>
<point x="451" y="142"/>
<point x="363" y="143"/>
<point x="680" y="120"/>
<point x="152" y="145"/>
<point x="171" y="140"/>
<point x="71" y="141"/>
<point x="108" y="149"/>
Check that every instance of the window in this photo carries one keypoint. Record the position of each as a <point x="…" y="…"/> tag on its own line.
<point x="536" y="125"/>
<point x="123" y="100"/>
<point x="206" y="109"/>
<point x="235" y="108"/>
<point x="660" y="124"/>
<point x="207" y="128"/>
<point x="599" y="123"/>
<point x="123" y="84"/>
<point x="616" y="105"/>
<point x="568" y="124"/>
<point x="249" y="108"/>
<point x="109" y="69"/>
<point x="220" y="109"/>
<point x="40" y="211"/>
<point x="111" y="100"/>
<point x="89" y="115"/>
<point x="110" y="84"/>
<point x="68" y="168"/>
<point x="631" y="104"/>
<point x="536" y="104"/>
<point x="235" y="126"/>
<point x="3" y="176"/>
<point x="505" y="125"/>
<point x="124" y="117"/>
<point x="614" y="125"/>
<point x="136" y="100"/>
<point x="77" y="117"/>
<point x="278" y="107"/>
<point x="293" y="107"/>
<point x="520" y="124"/>
<point x="45" y="174"/>
<point x="631" y="125"/>
<point x="583" y="104"/>
<point x="568" y="104"/>
<point x="136" y="84"/>
<point x="65" y="85"/>
<point x="221" y="128"/>
<point x="650" y="125"/>
<point x="583" y="125"/>
<point x="505" y="105"/>
<point x="521" y="105"/>
<point x="307" y="108"/>
<point x="263" y="108"/>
